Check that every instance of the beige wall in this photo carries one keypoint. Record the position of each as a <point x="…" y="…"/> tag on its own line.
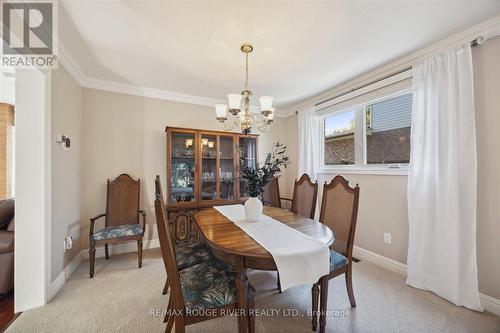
<point x="383" y="202"/>
<point x="66" y="168"/>
<point x="487" y="97"/>
<point x="126" y="133"/>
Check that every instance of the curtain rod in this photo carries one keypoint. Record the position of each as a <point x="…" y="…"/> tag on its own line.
<point x="473" y="43"/>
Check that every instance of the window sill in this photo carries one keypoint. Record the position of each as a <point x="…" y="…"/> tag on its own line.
<point x="366" y="170"/>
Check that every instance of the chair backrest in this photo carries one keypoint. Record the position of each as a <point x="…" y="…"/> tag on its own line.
<point x="271" y="194"/>
<point x="167" y="249"/>
<point x="122" y="202"/>
<point x="305" y="193"/>
<point x="339" y="211"/>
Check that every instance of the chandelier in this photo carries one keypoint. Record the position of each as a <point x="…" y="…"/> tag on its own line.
<point x="241" y="117"/>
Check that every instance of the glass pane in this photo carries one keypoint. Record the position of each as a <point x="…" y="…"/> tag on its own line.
<point x="339" y="138"/>
<point x="226" y="167"/>
<point x="248" y="152"/>
<point x="183" y="168"/>
<point x="208" y="167"/>
<point x="388" y="128"/>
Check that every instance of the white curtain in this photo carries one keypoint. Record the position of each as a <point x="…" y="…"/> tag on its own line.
<point x="309" y="143"/>
<point x="442" y="179"/>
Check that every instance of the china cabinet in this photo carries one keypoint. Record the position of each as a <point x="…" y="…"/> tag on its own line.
<point x="203" y="171"/>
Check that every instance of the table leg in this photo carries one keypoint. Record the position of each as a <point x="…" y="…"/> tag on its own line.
<point x="241" y="290"/>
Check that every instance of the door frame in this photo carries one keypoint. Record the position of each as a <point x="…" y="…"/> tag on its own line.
<point x="32" y="236"/>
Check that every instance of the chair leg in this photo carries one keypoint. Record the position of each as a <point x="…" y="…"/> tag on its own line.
<point x="323" y="304"/>
<point x="278" y="283"/>
<point x="180" y="326"/>
<point x="315" y="297"/>
<point x="91" y="259"/>
<point x="170" y="324"/>
<point x="106" y="250"/>
<point x="251" y="307"/>
<point x="139" y="252"/>
<point x="165" y="288"/>
<point x="169" y="307"/>
<point x="348" y="282"/>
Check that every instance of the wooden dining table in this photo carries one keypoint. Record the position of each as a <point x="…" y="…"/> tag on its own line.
<point x="230" y="243"/>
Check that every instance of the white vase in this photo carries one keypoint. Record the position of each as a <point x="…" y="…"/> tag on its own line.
<point x="253" y="209"/>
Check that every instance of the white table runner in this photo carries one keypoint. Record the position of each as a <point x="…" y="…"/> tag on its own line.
<point x="299" y="258"/>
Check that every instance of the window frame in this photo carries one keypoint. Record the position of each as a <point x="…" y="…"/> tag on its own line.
<point x="360" y="165"/>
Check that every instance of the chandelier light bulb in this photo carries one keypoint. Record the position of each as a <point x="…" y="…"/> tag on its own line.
<point x="266" y="103"/>
<point x="221" y="111"/>
<point x="234" y="101"/>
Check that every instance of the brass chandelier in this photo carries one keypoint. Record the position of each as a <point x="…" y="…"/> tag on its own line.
<point x="241" y="117"/>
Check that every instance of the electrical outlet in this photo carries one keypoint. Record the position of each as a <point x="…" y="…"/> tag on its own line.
<point x="387" y="238"/>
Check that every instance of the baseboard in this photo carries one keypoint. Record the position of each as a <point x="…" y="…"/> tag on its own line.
<point x="489" y="303"/>
<point x="379" y="260"/>
<point x="57" y="284"/>
<point x="121" y="248"/>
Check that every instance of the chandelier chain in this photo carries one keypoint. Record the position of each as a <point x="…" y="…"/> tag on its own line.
<point x="246" y="71"/>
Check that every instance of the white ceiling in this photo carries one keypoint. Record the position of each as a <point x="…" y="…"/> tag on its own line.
<point x="301" y="48"/>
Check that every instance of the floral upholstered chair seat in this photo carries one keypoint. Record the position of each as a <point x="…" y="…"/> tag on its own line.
<point x="190" y="254"/>
<point x="336" y="260"/>
<point x="117" y="231"/>
<point x="208" y="285"/>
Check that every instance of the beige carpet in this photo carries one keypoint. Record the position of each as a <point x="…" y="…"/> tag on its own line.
<point x="122" y="298"/>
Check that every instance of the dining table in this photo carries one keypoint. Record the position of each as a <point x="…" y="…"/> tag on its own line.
<point x="233" y="245"/>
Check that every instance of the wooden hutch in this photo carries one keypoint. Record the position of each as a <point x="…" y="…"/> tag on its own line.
<point x="203" y="171"/>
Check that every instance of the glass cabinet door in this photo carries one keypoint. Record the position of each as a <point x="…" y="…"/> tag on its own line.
<point x="227" y="166"/>
<point x="248" y="156"/>
<point x="208" y="167"/>
<point x="182" y="165"/>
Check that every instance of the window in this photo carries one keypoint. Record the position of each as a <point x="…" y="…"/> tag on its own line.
<point x="376" y="133"/>
<point x="339" y="138"/>
<point x="387" y="133"/>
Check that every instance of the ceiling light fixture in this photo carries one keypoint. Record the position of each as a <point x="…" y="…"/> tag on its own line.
<point x="242" y="118"/>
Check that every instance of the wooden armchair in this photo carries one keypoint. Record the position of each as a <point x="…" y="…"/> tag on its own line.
<point x="121" y="222"/>
<point x="339" y="211"/>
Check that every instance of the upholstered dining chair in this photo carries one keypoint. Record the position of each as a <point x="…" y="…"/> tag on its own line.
<point x="339" y="211"/>
<point x="200" y="292"/>
<point x="305" y="193"/>
<point x="271" y="195"/>
<point x="121" y="220"/>
<point x="187" y="253"/>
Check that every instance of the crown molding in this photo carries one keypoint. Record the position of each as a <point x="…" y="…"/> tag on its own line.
<point x="76" y="71"/>
<point x="486" y="29"/>
<point x="130" y="89"/>
<point x="71" y="65"/>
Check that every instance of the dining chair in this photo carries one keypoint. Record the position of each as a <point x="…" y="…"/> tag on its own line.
<point x="121" y="222"/>
<point x="271" y="195"/>
<point x="200" y="292"/>
<point x="339" y="211"/>
<point x="188" y="252"/>
<point x="305" y="193"/>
